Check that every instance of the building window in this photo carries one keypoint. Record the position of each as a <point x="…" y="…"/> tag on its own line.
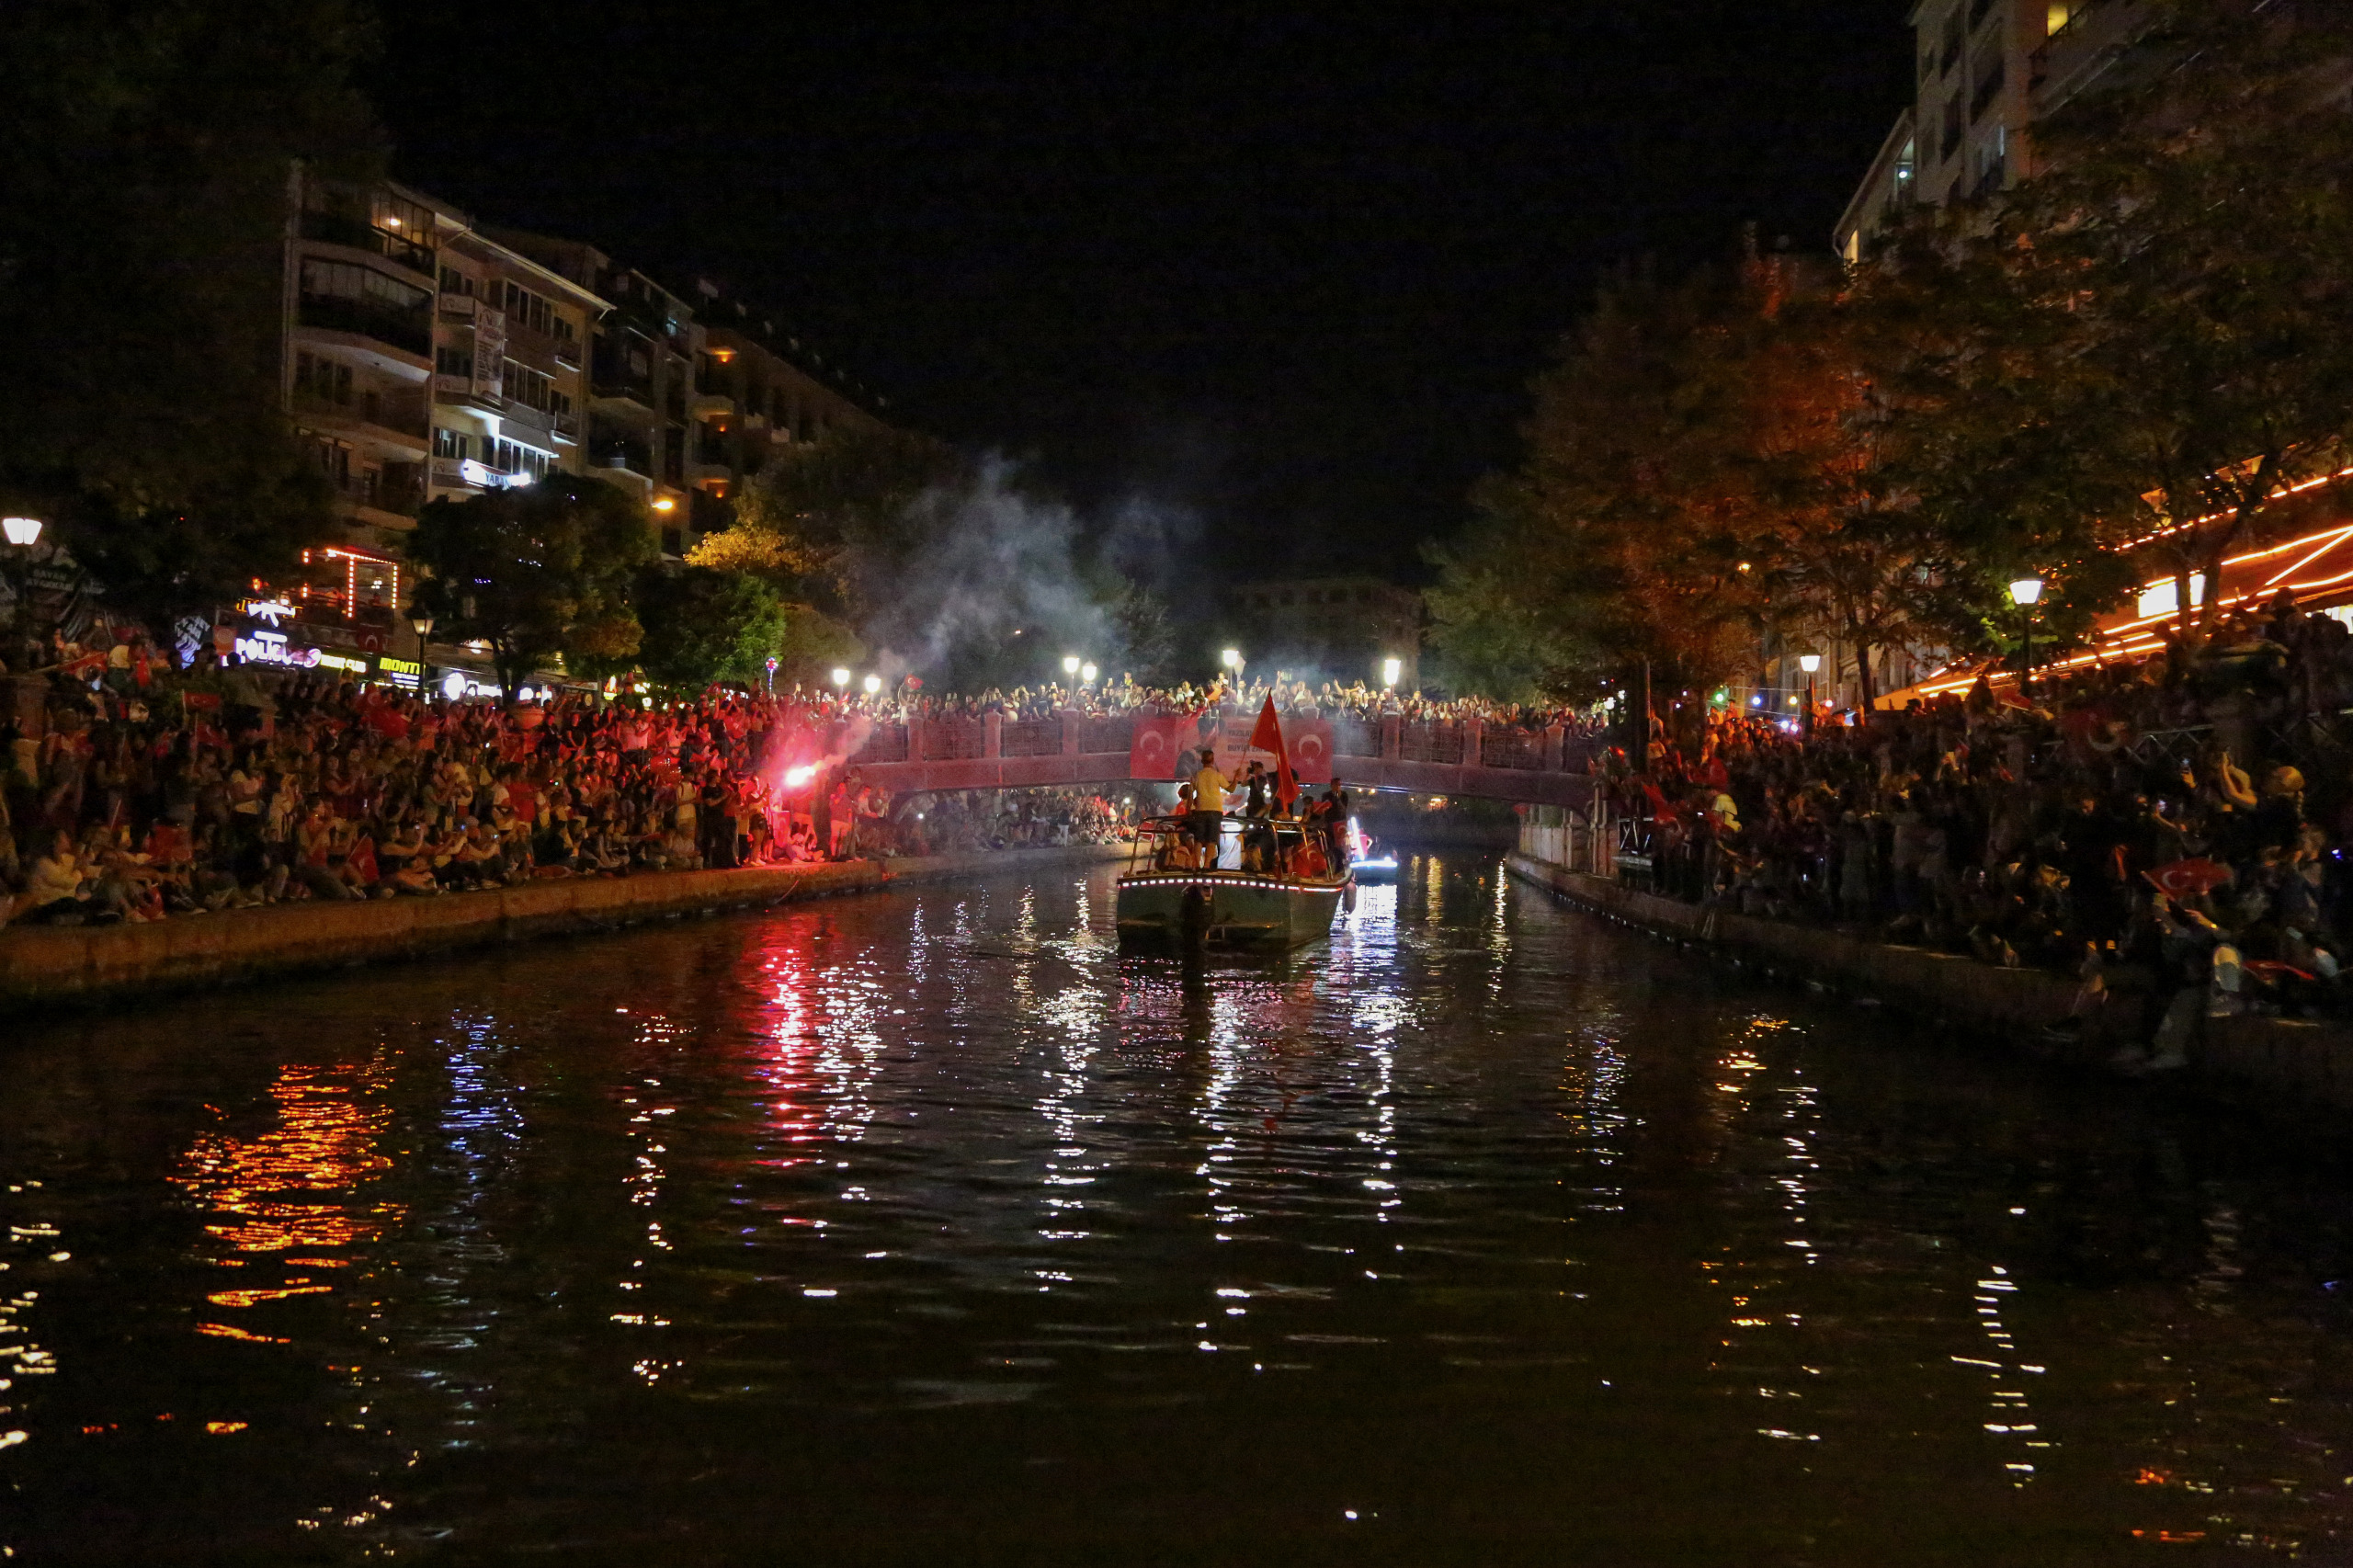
<point x="322" y="380"/>
<point x="529" y="387"/>
<point x="456" y="282"/>
<point x="453" y="444"/>
<point x="458" y="362"/>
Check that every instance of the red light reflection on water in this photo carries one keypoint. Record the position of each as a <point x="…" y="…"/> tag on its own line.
<point x="295" y="1186"/>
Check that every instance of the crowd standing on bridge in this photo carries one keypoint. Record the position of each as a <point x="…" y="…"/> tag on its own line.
<point x="2170" y="833"/>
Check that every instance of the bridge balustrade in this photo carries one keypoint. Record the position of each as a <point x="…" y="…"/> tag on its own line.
<point x="1097" y="735"/>
<point x="1430" y="742"/>
<point x="884" y="743"/>
<point x="1031" y="737"/>
<point x="955" y="740"/>
<point x="1510" y="747"/>
<point x="1355" y="737"/>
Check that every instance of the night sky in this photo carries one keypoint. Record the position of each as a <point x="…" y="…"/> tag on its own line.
<point x="1289" y="268"/>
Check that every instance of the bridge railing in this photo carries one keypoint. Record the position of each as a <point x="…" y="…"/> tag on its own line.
<point x="1442" y="743"/>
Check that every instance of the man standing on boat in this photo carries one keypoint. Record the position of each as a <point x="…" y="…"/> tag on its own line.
<point x="1208" y="803"/>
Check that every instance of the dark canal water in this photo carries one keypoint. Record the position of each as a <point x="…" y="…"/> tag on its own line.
<point x="926" y="1227"/>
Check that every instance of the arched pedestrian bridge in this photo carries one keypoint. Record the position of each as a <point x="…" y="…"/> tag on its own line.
<point x="1444" y="758"/>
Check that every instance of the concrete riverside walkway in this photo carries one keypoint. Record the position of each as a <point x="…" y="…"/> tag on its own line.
<point x="2287" y="1062"/>
<point x="46" y="966"/>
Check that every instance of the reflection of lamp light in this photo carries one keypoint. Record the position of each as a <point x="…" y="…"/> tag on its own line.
<point x="23" y="532"/>
<point x="1070" y="663"/>
<point x="1390" y="669"/>
<point x="841" y="677"/>
<point x="873" y="685"/>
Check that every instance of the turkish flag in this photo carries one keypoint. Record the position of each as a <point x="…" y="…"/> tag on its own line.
<point x="1311" y="750"/>
<point x="388" y="721"/>
<point x="1152" y="751"/>
<point x="1268" y="737"/>
<point x="2187" y="879"/>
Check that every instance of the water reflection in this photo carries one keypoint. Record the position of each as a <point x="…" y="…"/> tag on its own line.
<point x="930" y="1225"/>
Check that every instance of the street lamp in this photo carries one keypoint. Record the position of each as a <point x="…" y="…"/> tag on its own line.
<point x="23" y="534"/>
<point x="1391" y="671"/>
<point x="1070" y="663"/>
<point x="422" y="624"/>
<point x="1230" y="659"/>
<point x="1087" y="674"/>
<point x="841" y="679"/>
<point x="873" y="686"/>
<point x="1809" y="663"/>
<point x="2026" y="593"/>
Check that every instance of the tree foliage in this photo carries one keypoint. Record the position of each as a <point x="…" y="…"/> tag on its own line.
<point x="2149" y="338"/>
<point x="144" y="162"/>
<point x="535" y="572"/>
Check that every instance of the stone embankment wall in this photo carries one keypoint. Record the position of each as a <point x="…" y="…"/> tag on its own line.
<point x="2286" y="1061"/>
<point x="42" y="967"/>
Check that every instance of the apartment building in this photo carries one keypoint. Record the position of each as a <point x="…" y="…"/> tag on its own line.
<point x="640" y="397"/>
<point x="510" y="382"/>
<point x="1986" y="72"/>
<point x="760" y="392"/>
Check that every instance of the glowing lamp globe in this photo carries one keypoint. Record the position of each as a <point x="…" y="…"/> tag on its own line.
<point x="1231" y="658"/>
<point x="23" y="531"/>
<point x="873" y="685"/>
<point x="1086" y="672"/>
<point x="1390" y="669"/>
<point x="1070" y="663"/>
<point x="2026" y="591"/>
<point x="841" y="677"/>
<point x="1809" y="663"/>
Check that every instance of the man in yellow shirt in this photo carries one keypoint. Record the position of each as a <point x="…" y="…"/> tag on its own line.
<point x="1208" y="803"/>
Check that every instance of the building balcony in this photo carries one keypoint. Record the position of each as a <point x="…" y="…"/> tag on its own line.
<point x="712" y="406"/>
<point x="459" y="392"/>
<point x="355" y="232"/>
<point x="450" y="474"/>
<point x="633" y="457"/>
<point x="408" y="331"/>
<point x="633" y="399"/>
<point x="708" y="472"/>
<point x="393" y="430"/>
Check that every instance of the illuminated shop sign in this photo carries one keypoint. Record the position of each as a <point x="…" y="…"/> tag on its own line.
<point x="393" y="666"/>
<point x="270" y="648"/>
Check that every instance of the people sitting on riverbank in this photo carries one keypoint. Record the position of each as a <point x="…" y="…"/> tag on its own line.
<point x="2149" y="830"/>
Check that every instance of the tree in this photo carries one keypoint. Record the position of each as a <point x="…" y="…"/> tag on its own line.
<point x="2148" y="340"/>
<point x="829" y="521"/>
<point x="145" y="164"/>
<point x="704" y="626"/>
<point x="534" y="571"/>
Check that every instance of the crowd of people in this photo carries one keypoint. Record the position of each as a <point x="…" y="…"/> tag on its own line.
<point x="2170" y="833"/>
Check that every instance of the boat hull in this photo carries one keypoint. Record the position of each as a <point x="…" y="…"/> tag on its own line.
<point x="1230" y="910"/>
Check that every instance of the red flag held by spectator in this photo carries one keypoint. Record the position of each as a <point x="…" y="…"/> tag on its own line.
<point x="2187" y="879"/>
<point x="1268" y="737"/>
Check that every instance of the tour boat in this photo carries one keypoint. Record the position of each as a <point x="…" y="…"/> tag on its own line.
<point x="1165" y="898"/>
<point x="1369" y="863"/>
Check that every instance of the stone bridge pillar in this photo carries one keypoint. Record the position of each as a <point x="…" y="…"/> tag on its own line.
<point x="1070" y="732"/>
<point x="992" y="734"/>
<point x="1552" y="735"/>
<point x="1474" y="730"/>
<point x="1393" y="725"/>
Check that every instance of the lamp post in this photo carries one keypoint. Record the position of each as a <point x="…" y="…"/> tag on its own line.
<point x="2026" y="593"/>
<point x="1809" y="663"/>
<point x="23" y="534"/>
<point x="423" y="624"/>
